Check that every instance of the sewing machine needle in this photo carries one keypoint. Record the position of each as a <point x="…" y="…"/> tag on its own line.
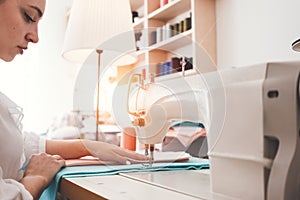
<point x="151" y="154"/>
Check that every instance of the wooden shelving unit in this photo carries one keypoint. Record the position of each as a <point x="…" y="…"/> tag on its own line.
<point x="160" y="40"/>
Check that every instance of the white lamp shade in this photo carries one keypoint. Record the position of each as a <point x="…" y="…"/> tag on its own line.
<point x="94" y="22"/>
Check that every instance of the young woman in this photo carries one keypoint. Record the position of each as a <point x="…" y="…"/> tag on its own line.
<point x="28" y="162"/>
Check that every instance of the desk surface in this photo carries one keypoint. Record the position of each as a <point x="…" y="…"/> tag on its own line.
<point x="186" y="184"/>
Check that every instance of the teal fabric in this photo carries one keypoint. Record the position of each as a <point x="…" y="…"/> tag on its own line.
<point x="101" y="170"/>
<point x="186" y="123"/>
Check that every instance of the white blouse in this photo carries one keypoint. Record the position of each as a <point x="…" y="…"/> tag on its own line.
<point x="15" y="150"/>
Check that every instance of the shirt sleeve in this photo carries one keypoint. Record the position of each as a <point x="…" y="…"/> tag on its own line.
<point x="12" y="190"/>
<point x="33" y="144"/>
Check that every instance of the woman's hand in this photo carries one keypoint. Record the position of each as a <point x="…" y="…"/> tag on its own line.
<point x="40" y="171"/>
<point x="112" y="154"/>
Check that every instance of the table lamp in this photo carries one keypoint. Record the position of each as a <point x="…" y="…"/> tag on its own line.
<point x="91" y="27"/>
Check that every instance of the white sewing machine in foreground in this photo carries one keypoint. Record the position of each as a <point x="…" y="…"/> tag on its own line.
<point x="252" y="122"/>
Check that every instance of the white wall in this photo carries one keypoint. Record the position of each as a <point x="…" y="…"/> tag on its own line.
<point x="40" y="81"/>
<point x="255" y="31"/>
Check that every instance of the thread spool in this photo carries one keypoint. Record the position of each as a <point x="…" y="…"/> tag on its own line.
<point x="128" y="138"/>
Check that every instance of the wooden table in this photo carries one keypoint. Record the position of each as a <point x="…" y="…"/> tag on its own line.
<point x="175" y="185"/>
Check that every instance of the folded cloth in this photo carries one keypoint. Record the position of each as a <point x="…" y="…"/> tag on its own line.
<point x="100" y="170"/>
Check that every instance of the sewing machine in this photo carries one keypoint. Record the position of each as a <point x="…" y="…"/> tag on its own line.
<point x="251" y="115"/>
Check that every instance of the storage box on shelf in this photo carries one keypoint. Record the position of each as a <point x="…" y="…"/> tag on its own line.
<point x="176" y="32"/>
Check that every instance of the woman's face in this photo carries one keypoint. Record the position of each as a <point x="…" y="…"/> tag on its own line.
<point x="19" y="25"/>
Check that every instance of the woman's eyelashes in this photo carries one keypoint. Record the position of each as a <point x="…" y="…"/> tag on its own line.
<point x="28" y="18"/>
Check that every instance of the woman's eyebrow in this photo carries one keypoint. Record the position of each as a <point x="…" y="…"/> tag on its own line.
<point x="40" y="13"/>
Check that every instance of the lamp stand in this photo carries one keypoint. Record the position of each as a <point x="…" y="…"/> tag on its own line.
<point x="98" y="95"/>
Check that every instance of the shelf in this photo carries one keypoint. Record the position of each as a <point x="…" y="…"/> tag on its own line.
<point x="175" y="75"/>
<point x="141" y="52"/>
<point x="170" y="10"/>
<point x="139" y="24"/>
<point x="175" y="42"/>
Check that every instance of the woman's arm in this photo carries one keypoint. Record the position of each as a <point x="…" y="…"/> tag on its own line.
<point x="67" y="149"/>
<point x="109" y="153"/>
<point x="35" y="185"/>
<point x="12" y="189"/>
<point x="40" y="171"/>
